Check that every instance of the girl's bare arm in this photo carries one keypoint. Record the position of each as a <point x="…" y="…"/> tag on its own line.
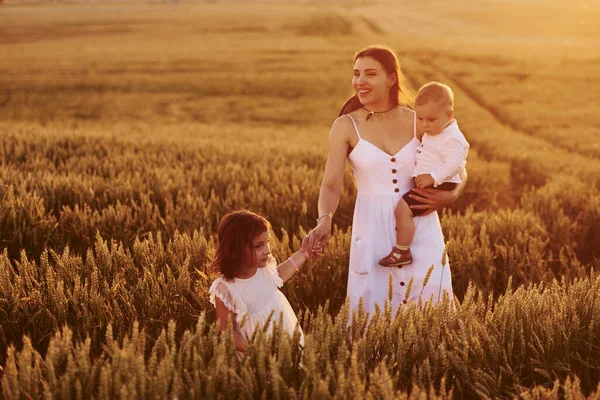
<point x="287" y="268"/>
<point x="223" y="313"/>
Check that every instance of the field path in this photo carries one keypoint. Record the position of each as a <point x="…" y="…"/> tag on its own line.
<point x="492" y="135"/>
<point x="373" y="27"/>
<point x="496" y="139"/>
<point x="492" y="26"/>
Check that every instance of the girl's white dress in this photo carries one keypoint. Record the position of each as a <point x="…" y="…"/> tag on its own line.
<point x="255" y="298"/>
<point x="382" y="179"/>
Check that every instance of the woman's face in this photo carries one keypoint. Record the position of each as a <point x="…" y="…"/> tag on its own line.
<point x="371" y="82"/>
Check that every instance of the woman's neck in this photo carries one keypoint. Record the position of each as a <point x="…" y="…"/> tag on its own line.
<point x="379" y="107"/>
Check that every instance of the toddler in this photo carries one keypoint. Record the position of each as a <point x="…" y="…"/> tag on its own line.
<point x="439" y="159"/>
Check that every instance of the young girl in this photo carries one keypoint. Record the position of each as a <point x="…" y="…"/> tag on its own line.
<point x="250" y="277"/>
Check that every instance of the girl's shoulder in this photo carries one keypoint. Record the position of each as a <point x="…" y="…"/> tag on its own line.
<point x="272" y="272"/>
<point x="223" y="288"/>
<point x="225" y="291"/>
<point x="220" y="281"/>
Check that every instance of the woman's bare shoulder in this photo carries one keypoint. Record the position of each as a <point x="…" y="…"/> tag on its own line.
<point x="406" y="113"/>
<point x="342" y="126"/>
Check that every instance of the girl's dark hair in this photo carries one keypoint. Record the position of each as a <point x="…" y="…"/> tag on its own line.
<point x="399" y="93"/>
<point x="236" y="232"/>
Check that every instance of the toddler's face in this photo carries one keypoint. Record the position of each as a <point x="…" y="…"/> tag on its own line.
<point x="261" y="248"/>
<point x="432" y="118"/>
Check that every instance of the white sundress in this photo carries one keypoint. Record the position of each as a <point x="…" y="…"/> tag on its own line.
<point x="255" y="298"/>
<point x="382" y="179"/>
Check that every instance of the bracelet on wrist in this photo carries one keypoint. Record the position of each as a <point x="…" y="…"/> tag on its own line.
<point x="330" y="215"/>
<point x="291" y="260"/>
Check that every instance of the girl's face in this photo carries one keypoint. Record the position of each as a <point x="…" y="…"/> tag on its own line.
<point x="261" y="248"/>
<point x="371" y="82"/>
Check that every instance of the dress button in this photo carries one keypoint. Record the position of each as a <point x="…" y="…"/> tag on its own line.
<point x="404" y="301"/>
<point x="393" y="171"/>
<point x="396" y="190"/>
<point x="393" y="159"/>
<point x="395" y="181"/>
<point x="401" y="283"/>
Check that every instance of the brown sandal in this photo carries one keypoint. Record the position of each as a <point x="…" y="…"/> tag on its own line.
<point x="397" y="258"/>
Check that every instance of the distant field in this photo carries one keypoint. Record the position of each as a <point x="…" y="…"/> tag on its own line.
<point x="128" y="129"/>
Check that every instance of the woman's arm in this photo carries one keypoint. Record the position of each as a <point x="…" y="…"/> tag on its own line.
<point x="435" y="199"/>
<point x="332" y="183"/>
<point x="223" y="313"/>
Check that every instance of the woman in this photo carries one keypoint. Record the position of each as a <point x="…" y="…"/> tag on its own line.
<point x="376" y="132"/>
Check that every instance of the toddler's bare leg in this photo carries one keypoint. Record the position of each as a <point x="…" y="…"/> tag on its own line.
<point x="405" y="231"/>
<point x="405" y="225"/>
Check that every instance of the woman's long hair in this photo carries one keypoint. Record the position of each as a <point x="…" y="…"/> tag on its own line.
<point x="399" y="93"/>
<point x="236" y="232"/>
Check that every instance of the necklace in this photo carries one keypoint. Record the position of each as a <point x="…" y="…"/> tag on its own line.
<point x="371" y="114"/>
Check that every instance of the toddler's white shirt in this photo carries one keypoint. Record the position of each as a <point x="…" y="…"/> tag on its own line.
<point x="442" y="156"/>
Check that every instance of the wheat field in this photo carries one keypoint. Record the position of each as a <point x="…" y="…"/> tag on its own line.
<point x="129" y="128"/>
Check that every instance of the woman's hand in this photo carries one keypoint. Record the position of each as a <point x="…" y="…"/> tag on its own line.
<point x="317" y="239"/>
<point x="433" y="199"/>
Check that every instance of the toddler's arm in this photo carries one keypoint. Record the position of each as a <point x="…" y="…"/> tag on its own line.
<point x="424" y="180"/>
<point x="454" y="154"/>
<point x="223" y="313"/>
<point x="433" y="200"/>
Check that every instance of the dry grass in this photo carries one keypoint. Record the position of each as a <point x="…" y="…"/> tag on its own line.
<point x="137" y="119"/>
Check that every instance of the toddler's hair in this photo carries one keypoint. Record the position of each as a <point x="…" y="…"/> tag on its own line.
<point x="437" y="92"/>
<point x="236" y="232"/>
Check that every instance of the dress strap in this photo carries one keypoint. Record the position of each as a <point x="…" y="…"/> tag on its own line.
<point x="355" y="127"/>
<point x="414" y="124"/>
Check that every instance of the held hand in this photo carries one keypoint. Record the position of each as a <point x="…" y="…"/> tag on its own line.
<point x="305" y="249"/>
<point x="433" y="199"/>
<point x="317" y="238"/>
<point x="309" y="255"/>
<point x="424" y="180"/>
